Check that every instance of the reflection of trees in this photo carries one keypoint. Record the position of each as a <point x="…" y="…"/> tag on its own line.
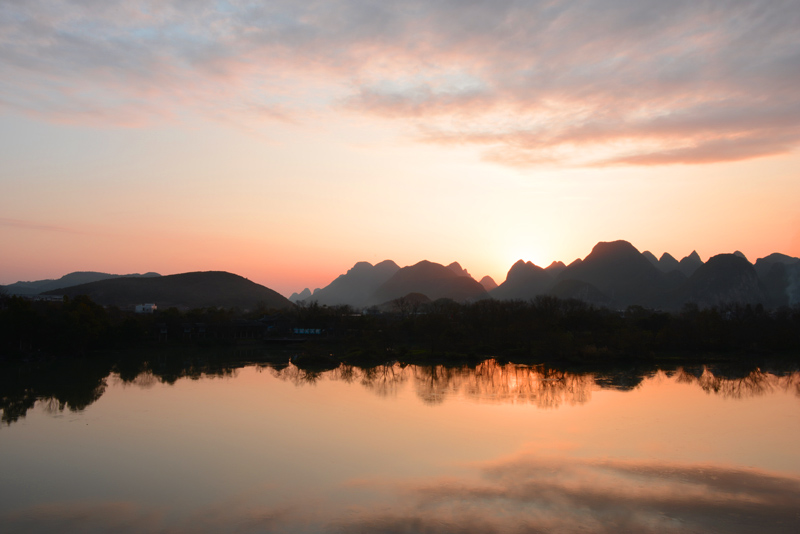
<point x="297" y="376"/>
<point x="751" y="384"/>
<point x="488" y="381"/>
<point x="433" y="383"/>
<point x="70" y="384"/>
<point x="74" y="384"/>
<point x="384" y="380"/>
<point x="491" y="381"/>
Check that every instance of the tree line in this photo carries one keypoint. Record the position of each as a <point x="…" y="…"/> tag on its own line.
<point x="542" y="329"/>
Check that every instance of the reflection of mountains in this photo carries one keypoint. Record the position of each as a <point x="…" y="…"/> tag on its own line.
<point x="76" y="384"/>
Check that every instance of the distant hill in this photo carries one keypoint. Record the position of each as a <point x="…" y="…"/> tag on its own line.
<point x="555" y="268"/>
<point x="576" y="289"/>
<point x="690" y="263"/>
<point x="188" y="290"/>
<point x="488" y="283"/>
<point x="780" y="275"/>
<point x="296" y="297"/>
<point x="763" y="265"/>
<point x="619" y="271"/>
<point x="524" y="281"/>
<point x="68" y="280"/>
<point x="357" y="285"/>
<point x="433" y="280"/>
<point x="456" y="268"/>
<point x="667" y="263"/>
<point x="650" y="257"/>
<point x="723" y="279"/>
<point x="406" y="304"/>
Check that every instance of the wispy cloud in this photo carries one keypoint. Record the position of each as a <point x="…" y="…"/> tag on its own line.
<point x="528" y="82"/>
<point x="28" y="225"/>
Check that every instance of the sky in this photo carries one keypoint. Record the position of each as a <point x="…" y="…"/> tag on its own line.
<point x="285" y="141"/>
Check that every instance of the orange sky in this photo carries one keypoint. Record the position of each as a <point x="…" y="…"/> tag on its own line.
<point x="285" y="143"/>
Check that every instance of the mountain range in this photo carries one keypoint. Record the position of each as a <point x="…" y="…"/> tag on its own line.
<point x="615" y="274"/>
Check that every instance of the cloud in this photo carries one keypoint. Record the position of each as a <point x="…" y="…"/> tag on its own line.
<point x="27" y="225"/>
<point x="575" y="82"/>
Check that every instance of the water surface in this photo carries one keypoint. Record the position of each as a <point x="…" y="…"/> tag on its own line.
<point x="182" y="447"/>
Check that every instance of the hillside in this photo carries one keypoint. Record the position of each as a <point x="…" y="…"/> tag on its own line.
<point x="433" y="280"/>
<point x="619" y="271"/>
<point x="356" y="285"/>
<point x="524" y="281"/>
<point x="187" y="290"/>
<point x="723" y="279"/>
<point x="68" y="280"/>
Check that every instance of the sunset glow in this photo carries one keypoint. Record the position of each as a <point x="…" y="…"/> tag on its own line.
<point x="284" y="142"/>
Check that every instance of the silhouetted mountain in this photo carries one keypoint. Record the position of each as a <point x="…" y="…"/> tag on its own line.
<point x="433" y="280"/>
<point x="763" y="265"/>
<point x="68" y="280"/>
<point x="488" y="283"/>
<point x="296" y="297"/>
<point x="793" y="289"/>
<point x="523" y="281"/>
<point x="188" y="290"/>
<point x="651" y="258"/>
<point x="577" y="261"/>
<point x="356" y="286"/>
<point x="723" y="279"/>
<point x="674" y="280"/>
<point x="780" y="276"/>
<point x="456" y="268"/>
<point x="576" y="289"/>
<point x="619" y="271"/>
<point x="555" y="268"/>
<point x="690" y="263"/>
<point x="405" y="304"/>
<point x="741" y="255"/>
<point x="668" y="263"/>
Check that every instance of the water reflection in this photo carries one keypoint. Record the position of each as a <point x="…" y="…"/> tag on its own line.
<point x="525" y="493"/>
<point x="533" y="494"/>
<point x="76" y="383"/>
<point x="754" y="383"/>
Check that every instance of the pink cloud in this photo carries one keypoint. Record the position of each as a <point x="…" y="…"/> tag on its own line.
<point x="557" y="82"/>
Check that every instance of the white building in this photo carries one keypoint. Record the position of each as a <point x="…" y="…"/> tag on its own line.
<point x="146" y="308"/>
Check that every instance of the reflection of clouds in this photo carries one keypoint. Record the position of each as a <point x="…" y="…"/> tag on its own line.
<point x="83" y="517"/>
<point x="529" y="494"/>
<point x="126" y="517"/>
<point x="525" y="493"/>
